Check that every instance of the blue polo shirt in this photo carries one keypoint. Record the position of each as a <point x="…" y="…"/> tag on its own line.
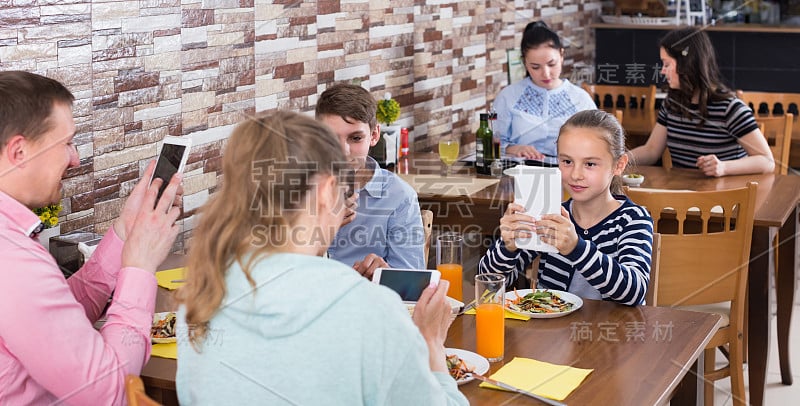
<point x="387" y="224"/>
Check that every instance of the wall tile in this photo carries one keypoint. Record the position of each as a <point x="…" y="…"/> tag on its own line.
<point x="145" y="69"/>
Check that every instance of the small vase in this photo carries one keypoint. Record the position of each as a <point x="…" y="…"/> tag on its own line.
<point x="44" y="236"/>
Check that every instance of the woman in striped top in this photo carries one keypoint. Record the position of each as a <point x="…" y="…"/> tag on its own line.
<point x="701" y="122"/>
<point x="604" y="240"/>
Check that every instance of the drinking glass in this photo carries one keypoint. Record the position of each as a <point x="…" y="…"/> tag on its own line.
<point x="448" y="151"/>
<point x="490" y="289"/>
<point x="448" y="262"/>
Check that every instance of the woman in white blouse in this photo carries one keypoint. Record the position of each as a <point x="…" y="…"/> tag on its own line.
<point x="531" y="111"/>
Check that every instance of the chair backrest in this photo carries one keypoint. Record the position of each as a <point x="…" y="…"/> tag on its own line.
<point x="776" y="104"/>
<point x="427" y="226"/>
<point x="134" y="391"/>
<point x="666" y="158"/>
<point x="622" y="97"/>
<point x="765" y="103"/>
<point x="705" y="251"/>
<point x="618" y="114"/>
<point x="778" y="131"/>
<point x="651" y="298"/>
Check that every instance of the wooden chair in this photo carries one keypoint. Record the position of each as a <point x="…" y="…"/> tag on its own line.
<point x="705" y="268"/>
<point x="651" y="298"/>
<point x="778" y="129"/>
<point x="777" y="104"/>
<point x="622" y="97"/>
<point x="134" y="392"/>
<point x="666" y="158"/>
<point x="427" y="226"/>
<point x="764" y="103"/>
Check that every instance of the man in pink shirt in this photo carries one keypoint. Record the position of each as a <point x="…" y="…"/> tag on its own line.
<point x="49" y="349"/>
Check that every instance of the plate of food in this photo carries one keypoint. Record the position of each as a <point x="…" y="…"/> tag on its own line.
<point x="462" y="363"/>
<point x="542" y="303"/>
<point x="455" y="306"/>
<point x="163" y="330"/>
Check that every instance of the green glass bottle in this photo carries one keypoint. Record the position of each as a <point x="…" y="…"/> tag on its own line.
<point x="484" y="146"/>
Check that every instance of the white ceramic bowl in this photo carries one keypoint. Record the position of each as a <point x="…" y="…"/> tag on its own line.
<point x="631" y="181"/>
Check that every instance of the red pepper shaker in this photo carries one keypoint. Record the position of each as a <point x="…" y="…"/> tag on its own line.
<point x="403" y="141"/>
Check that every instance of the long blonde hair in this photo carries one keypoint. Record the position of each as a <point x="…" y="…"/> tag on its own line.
<point x="269" y="166"/>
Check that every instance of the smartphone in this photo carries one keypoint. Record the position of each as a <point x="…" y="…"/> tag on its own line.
<point x="408" y="283"/>
<point x="171" y="160"/>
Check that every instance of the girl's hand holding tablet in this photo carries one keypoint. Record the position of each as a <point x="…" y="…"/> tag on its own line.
<point x="558" y="231"/>
<point x="515" y="224"/>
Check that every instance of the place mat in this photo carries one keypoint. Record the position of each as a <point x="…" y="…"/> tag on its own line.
<point x="542" y="378"/>
<point x="166" y="277"/>
<point x="453" y="186"/>
<point x="508" y="315"/>
<point x="168" y="350"/>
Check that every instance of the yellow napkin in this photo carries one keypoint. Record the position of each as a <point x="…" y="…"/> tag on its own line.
<point x="168" y="350"/>
<point x="542" y="378"/>
<point x="509" y="315"/>
<point x="165" y="278"/>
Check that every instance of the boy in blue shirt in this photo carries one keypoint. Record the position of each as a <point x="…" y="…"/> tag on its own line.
<point x="387" y="229"/>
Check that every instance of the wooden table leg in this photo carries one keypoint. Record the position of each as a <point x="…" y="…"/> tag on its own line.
<point x="758" y="316"/>
<point x="690" y="390"/>
<point x="785" y="286"/>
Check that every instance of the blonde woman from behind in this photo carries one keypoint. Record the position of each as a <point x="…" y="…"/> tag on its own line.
<point x="271" y="322"/>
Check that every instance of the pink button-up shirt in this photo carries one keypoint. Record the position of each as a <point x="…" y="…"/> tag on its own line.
<point x="49" y="349"/>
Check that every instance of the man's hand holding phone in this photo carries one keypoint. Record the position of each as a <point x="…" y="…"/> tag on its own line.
<point x="148" y="223"/>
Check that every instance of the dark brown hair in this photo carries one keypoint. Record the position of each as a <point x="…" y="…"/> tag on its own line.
<point x="26" y="103"/>
<point x="350" y="102"/>
<point x="270" y="167"/>
<point x="696" y="66"/>
<point x="538" y="34"/>
<point x="609" y="129"/>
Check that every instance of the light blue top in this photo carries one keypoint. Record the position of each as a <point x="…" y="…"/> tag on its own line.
<point x="312" y="332"/>
<point x="387" y="223"/>
<point x="531" y="115"/>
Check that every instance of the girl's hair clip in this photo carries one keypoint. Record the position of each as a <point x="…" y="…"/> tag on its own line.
<point x="685" y="51"/>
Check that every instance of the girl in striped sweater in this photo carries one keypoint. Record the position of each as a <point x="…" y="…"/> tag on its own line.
<point x="701" y="122"/>
<point x="604" y="240"/>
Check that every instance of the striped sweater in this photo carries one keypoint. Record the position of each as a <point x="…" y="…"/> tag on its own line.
<point x="728" y="120"/>
<point x="613" y="256"/>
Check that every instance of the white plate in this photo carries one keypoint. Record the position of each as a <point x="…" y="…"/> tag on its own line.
<point x="566" y="296"/>
<point x="455" y="305"/>
<point x="156" y="318"/>
<point x="477" y="363"/>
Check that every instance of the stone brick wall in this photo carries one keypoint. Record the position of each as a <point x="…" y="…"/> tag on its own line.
<point x="144" y="69"/>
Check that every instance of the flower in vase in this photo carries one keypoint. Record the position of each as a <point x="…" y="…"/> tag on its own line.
<point x="388" y="110"/>
<point x="48" y="215"/>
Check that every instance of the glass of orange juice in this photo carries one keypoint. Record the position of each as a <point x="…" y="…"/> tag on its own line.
<point x="448" y="262"/>
<point x="490" y="289"/>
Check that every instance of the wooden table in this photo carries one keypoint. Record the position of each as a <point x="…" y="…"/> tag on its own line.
<point x="479" y="212"/>
<point x="776" y="213"/>
<point x="158" y="375"/>
<point x="645" y="368"/>
<point x="639" y="354"/>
